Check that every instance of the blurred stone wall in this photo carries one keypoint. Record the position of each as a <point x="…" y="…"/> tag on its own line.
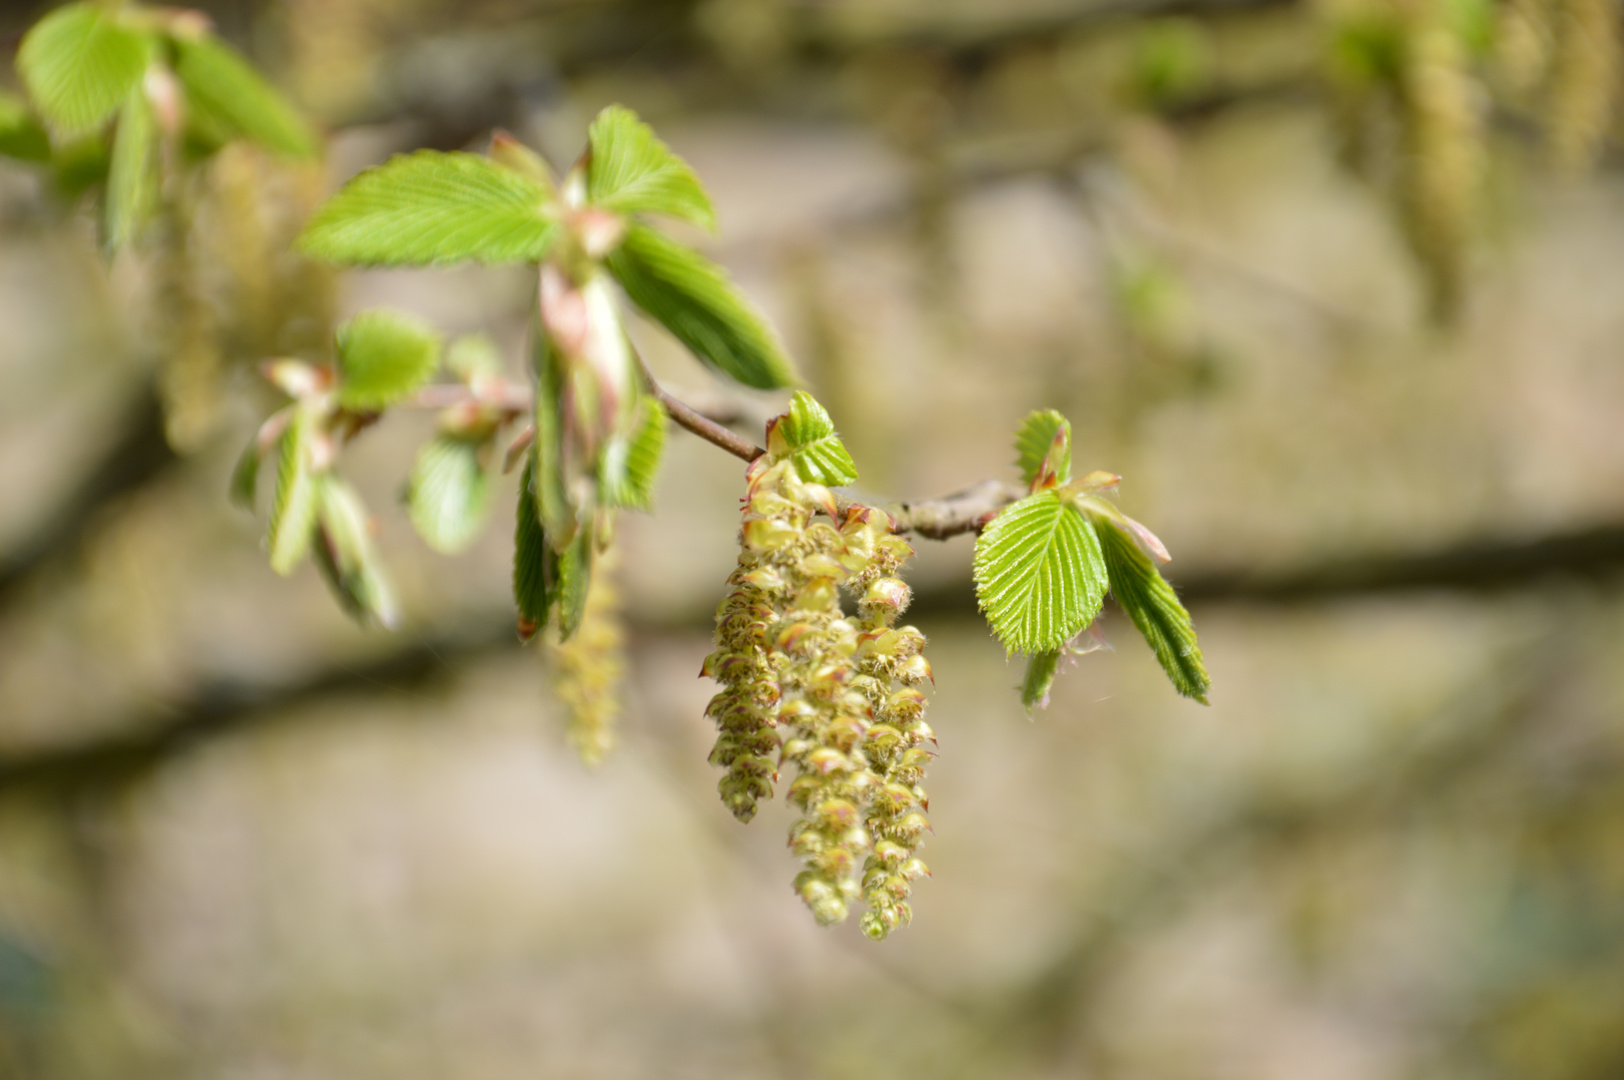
<point x="240" y="837"/>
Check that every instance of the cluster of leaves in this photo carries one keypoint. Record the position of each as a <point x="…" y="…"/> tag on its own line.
<point x="597" y="429"/>
<point x="120" y="97"/>
<point x="1044" y="564"/>
<point x="381" y="359"/>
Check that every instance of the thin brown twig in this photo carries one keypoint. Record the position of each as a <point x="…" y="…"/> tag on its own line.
<point x="934" y="519"/>
<point x="705" y="427"/>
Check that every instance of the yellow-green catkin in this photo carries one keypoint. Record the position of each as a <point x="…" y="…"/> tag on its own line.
<point x="190" y="362"/>
<point x="588" y="668"/>
<point x="1584" y="80"/>
<point x="1444" y="153"/>
<point x="830" y="694"/>
<point x="1523" y="47"/>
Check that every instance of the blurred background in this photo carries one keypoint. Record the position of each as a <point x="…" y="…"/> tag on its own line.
<point x="1334" y="286"/>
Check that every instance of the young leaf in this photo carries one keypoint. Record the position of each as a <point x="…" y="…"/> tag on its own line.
<point x="294" y="504"/>
<point x="630" y="171"/>
<point x="79" y="65"/>
<point x="222" y="86"/>
<point x="554" y="506"/>
<point x="384" y="356"/>
<point x="806" y="436"/>
<point x="245" y="477"/>
<point x="1154" y="608"/>
<point x="472" y="357"/>
<point x="346" y="556"/>
<point x="1040" y="577"/>
<point x="574" y="579"/>
<point x="431" y="207"/>
<point x="448" y="493"/>
<point x="1043" y="445"/>
<point x="535" y="563"/>
<point x="132" y="180"/>
<point x="692" y="297"/>
<point x="630" y="465"/>
<point x="21" y="136"/>
<point x="1041" y="669"/>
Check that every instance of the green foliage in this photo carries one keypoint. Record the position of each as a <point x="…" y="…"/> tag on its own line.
<point x="295" y="502"/>
<point x="631" y="465"/>
<point x="472" y="357"/>
<point x="535" y="563"/>
<point x="574" y="580"/>
<point x="226" y="92"/>
<point x="346" y="556"/>
<point x="806" y="436"/>
<point x="693" y="298"/>
<point x="78" y="166"/>
<point x="1040" y="577"/>
<point x="80" y="64"/>
<point x="132" y="180"/>
<point x="21" y="136"/>
<point x="631" y="171"/>
<point x="384" y="356"/>
<point x="1154" y="608"/>
<point x="554" y="508"/>
<point x="1043" y="448"/>
<point x="448" y="494"/>
<point x="245" y="477"/>
<point x="432" y="208"/>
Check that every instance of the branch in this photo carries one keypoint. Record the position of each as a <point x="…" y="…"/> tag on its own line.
<point x="156" y="734"/>
<point x="952" y="515"/>
<point x="137" y="455"/>
<point x="704" y="427"/>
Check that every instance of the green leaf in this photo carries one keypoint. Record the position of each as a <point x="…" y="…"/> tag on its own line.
<point x="472" y="357"/>
<point x="21" y="136"/>
<point x="1039" y="574"/>
<point x="384" y="356"/>
<point x="79" y="65"/>
<point x="228" y="91"/>
<point x="245" y="477"/>
<point x="79" y="165"/>
<point x="535" y="563"/>
<point x="1155" y="609"/>
<point x="555" y="509"/>
<point x="346" y="556"/>
<point x="631" y="465"/>
<point x="806" y="436"/>
<point x="448" y="493"/>
<point x="294" y="504"/>
<point x="693" y="298"/>
<point x="1043" y="447"/>
<point x="132" y="179"/>
<point x="431" y="207"/>
<point x="631" y="171"/>
<point x="1041" y="669"/>
<point x="574" y="579"/>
